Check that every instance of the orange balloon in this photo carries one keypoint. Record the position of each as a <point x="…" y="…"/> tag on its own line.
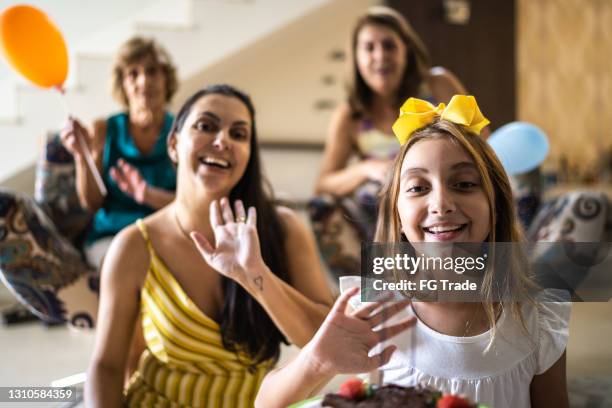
<point x="33" y="45"/>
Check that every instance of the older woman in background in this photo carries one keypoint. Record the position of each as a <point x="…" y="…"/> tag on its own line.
<point x="47" y="272"/>
<point x="128" y="148"/>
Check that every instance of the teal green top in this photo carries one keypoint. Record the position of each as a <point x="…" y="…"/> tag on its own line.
<point x="119" y="209"/>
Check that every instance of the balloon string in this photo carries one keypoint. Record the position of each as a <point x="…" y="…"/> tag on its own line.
<point x="92" y="166"/>
<point x="62" y="97"/>
<point x="88" y="156"/>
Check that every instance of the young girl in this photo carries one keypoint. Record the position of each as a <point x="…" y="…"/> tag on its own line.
<point x="448" y="186"/>
<point x="389" y="63"/>
<point x="209" y="310"/>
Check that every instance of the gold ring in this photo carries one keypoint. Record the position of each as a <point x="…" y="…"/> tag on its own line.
<point x="241" y="219"/>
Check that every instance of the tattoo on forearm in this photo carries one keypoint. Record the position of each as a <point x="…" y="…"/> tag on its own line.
<point x="258" y="281"/>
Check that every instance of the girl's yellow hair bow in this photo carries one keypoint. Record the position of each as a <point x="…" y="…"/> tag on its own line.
<point x="417" y="113"/>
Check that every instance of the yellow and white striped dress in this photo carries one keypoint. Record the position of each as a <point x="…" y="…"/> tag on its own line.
<point x="185" y="363"/>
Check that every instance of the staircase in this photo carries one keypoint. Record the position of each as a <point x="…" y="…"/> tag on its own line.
<point x="197" y="33"/>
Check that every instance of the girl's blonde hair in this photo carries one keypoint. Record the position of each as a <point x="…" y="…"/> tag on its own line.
<point x="516" y="282"/>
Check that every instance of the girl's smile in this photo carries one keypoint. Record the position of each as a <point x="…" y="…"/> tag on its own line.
<point x="441" y="198"/>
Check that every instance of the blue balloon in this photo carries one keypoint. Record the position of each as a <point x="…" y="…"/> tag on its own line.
<point x="520" y="146"/>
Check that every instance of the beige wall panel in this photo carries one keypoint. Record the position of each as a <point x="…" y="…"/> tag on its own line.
<point x="564" y="76"/>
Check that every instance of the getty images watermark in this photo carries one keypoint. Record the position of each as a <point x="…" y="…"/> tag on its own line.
<point x="463" y="272"/>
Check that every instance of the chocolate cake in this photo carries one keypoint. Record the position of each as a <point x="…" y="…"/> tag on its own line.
<point x="355" y="394"/>
<point x="389" y="396"/>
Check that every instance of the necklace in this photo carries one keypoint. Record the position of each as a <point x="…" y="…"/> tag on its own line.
<point x="468" y="323"/>
<point x="497" y="311"/>
<point x="180" y="226"/>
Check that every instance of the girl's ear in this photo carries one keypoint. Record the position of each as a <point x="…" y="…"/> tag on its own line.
<point x="172" y="152"/>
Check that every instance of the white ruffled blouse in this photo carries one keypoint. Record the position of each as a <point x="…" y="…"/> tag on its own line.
<point x="499" y="377"/>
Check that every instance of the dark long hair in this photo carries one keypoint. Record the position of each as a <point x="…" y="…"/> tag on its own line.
<point x="417" y="59"/>
<point x="245" y="325"/>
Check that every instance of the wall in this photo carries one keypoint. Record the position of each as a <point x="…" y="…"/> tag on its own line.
<point x="481" y="53"/>
<point x="564" y="77"/>
<point x="283" y="73"/>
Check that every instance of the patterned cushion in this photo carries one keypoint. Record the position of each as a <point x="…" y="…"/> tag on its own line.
<point x="527" y="191"/>
<point x="39" y="262"/>
<point x="341" y="224"/>
<point x="580" y="221"/>
<point x="579" y="216"/>
<point x="40" y="266"/>
<point x="56" y="193"/>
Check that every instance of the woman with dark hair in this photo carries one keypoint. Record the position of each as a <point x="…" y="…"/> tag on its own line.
<point x="211" y="288"/>
<point x="389" y="63"/>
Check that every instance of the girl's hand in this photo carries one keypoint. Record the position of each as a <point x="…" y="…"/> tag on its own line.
<point x="129" y="180"/>
<point x="72" y="130"/>
<point x="237" y="254"/>
<point x="342" y="343"/>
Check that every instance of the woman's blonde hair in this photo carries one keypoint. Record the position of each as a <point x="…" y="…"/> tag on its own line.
<point x="516" y="282"/>
<point x="134" y="50"/>
<point x="417" y="59"/>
